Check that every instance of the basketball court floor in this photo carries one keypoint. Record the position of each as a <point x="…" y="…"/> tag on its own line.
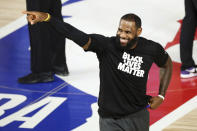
<point x="70" y="103"/>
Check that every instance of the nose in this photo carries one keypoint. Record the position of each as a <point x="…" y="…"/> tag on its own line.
<point x="123" y="35"/>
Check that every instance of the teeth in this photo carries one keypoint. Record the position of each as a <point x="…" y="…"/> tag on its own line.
<point x="123" y="40"/>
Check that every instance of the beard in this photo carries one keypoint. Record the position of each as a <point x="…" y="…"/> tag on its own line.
<point x="130" y="43"/>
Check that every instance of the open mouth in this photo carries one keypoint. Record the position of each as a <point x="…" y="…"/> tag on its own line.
<point x="123" y="41"/>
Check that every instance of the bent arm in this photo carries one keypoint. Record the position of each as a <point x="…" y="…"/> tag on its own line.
<point x="165" y="76"/>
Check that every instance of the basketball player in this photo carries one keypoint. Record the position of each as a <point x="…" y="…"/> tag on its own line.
<point x="124" y="62"/>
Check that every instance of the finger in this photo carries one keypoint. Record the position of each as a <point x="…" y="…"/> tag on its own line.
<point x="153" y="106"/>
<point x="28" y="12"/>
<point x="30" y="18"/>
<point x="151" y="100"/>
<point x="34" y="21"/>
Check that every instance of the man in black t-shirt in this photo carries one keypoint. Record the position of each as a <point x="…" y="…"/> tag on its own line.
<point x="124" y="62"/>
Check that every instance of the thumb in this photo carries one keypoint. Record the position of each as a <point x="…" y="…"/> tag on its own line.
<point x="30" y="19"/>
<point x="34" y="21"/>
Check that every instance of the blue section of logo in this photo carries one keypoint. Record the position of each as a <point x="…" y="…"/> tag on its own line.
<point x="70" y="2"/>
<point x="15" y="62"/>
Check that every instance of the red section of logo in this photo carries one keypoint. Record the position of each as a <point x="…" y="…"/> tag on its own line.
<point x="179" y="90"/>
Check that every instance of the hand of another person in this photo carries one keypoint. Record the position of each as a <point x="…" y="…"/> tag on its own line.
<point x="34" y="17"/>
<point x="155" y="102"/>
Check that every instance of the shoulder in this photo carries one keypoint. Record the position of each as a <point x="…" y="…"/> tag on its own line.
<point x="149" y="44"/>
<point x="149" y="47"/>
<point x="98" y="42"/>
<point x="98" y="36"/>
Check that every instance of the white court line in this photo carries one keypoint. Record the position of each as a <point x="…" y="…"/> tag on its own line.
<point x="51" y="92"/>
<point x="175" y="115"/>
<point x="13" y="26"/>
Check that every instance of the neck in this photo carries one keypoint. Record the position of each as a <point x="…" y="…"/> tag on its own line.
<point x="134" y="46"/>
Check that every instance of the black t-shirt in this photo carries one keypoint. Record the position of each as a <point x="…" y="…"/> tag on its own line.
<point x="123" y="74"/>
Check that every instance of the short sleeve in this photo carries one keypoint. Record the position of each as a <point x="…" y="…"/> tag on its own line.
<point x="160" y="56"/>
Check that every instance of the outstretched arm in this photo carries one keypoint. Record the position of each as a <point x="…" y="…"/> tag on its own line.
<point x="70" y="32"/>
<point x="165" y="76"/>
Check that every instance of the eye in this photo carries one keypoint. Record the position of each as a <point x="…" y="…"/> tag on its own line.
<point x="120" y="30"/>
<point x="128" y="32"/>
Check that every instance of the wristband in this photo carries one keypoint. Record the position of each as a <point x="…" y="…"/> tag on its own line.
<point x="161" y="97"/>
<point x="48" y="17"/>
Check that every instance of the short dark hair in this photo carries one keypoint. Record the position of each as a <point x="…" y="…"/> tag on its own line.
<point x="134" y="18"/>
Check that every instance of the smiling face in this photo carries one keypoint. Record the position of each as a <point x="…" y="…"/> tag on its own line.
<point x="128" y="32"/>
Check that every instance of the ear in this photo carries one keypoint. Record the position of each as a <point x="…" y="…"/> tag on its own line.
<point x="139" y="31"/>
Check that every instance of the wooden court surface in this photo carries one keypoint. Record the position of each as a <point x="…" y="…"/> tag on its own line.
<point x="10" y="10"/>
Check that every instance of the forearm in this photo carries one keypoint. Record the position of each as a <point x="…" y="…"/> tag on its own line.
<point x="165" y="77"/>
<point x="70" y="32"/>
